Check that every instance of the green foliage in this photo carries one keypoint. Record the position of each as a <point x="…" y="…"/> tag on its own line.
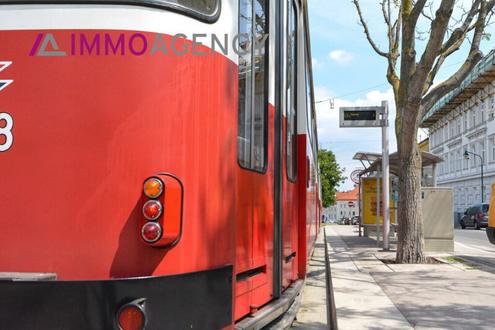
<point x="331" y="175"/>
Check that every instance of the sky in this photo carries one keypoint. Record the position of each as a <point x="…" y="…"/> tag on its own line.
<point x="347" y="70"/>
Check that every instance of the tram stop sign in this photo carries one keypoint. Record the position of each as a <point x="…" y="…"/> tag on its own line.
<point x="361" y="116"/>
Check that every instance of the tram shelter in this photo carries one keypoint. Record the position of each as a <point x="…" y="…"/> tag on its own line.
<point x="436" y="201"/>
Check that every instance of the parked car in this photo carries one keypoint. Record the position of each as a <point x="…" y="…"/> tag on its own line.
<point x="344" y="221"/>
<point x="355" y="220"/>
<point x="475" y="216"/>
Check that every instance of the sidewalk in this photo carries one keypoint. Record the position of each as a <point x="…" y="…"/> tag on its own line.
<point x="360" y="301"/>
<point x="372" y="295"/>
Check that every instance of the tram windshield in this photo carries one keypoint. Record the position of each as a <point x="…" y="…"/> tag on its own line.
<point x="201" y="7"/>
<point x="206" y="7"/>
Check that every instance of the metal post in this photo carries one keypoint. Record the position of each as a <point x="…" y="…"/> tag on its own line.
<point x="378" y="213"/>
<point x="466" y="156"/>
<point x="386" y="178"/>
<point x="360" y="224"/>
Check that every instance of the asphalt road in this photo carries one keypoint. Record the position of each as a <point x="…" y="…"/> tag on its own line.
<point x="475" y="239"/>
<point x="473" y="246"/>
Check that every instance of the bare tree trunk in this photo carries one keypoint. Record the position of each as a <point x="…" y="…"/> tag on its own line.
<point x="410" y="216"/>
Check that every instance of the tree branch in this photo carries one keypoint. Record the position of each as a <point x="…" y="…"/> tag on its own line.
<point x="386" y="13"/>
<point x="416" y="11"/>
<point x="394" y="44"/>
<point x="473" y="58"/>
<point x="367" y="32"/>
<point x="461" y="31"/>
<point x="438" y="30"/>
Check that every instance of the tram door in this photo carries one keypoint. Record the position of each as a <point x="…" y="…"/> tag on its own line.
<point x="289" y="147"/>
<point x="254" y="219"/>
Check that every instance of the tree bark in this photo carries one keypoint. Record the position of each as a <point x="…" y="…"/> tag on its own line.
<point x="410" y="247"/>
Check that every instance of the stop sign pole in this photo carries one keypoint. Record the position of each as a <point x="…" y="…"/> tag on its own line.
<point x="374" y="117"/>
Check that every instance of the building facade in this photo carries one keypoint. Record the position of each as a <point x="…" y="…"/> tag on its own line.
<point x="464" y="121"/>
<point x="346" y="205"/>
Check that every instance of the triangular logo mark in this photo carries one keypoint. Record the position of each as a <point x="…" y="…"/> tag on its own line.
<point x="49" y="40"/>
<point x="4" y="65"/>
<point x="5" y="83"/>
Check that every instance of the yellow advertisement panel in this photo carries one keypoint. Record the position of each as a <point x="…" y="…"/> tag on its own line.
<point x="369" y="202"/>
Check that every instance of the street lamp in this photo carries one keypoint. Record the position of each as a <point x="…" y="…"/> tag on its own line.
<point x="466" y="156"/>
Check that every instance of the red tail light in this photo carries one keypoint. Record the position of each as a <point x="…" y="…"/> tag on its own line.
<point x="163" y="199"/>
<point x="132" y="316"/>
<point x="152" y="209"/>
<point x="151" y="232"/>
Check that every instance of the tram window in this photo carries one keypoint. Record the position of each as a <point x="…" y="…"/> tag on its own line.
<point x="253" y="101"/>
<point x="309" y="103"/>
<point x="291" y="91"/>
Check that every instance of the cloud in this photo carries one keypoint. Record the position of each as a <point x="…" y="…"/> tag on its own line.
<point x="341" y="56"/>
<point x="345" y="142"/>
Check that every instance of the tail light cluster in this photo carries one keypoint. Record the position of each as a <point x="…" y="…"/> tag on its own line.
<point x="162" y="210"/>
<point x="151" y="231"/>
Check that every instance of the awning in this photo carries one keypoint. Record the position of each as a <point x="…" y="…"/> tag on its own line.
<point x="428" y="159"/>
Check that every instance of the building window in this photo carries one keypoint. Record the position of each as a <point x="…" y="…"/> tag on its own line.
<point x="473" y="118"/>
<point x="466" y="161"/>
<point x="491" y="108"/>
<point x="253" y="99"/>
<point x="465" y="121"/>
<point x="473" y="159"/>
<point x="491" y="142"/>
<point x="452" y="162"/>
<point x="458" y="160"/>
<point x="482" y="152"/>
<point x="446" y="164"/>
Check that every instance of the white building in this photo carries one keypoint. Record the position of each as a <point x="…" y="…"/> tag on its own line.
<point x="346" y="205"/>
<point x="464" y="121"/>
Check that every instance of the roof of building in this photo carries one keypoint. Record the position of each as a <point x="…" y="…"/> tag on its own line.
<point x="482" y="75"/>
<point x="351" y="195"/>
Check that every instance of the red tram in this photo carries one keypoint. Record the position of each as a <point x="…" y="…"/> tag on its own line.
<point x="158" y="163"/>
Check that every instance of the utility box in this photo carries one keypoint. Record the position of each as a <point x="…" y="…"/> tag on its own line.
<point x="438" y="227"/>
